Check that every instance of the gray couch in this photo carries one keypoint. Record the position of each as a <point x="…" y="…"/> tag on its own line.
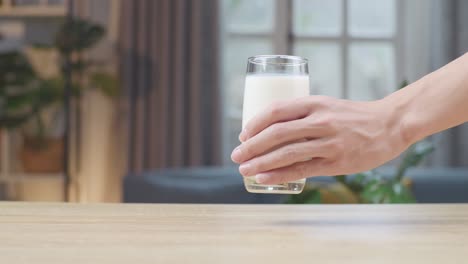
<point x="224" y="185"/>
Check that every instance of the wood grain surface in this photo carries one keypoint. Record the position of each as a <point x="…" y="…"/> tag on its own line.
<point x="162" y="233"/>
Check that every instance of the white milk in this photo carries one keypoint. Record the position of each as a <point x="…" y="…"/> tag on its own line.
<point x="263" y="89"/>
<point x="260" y="91"/>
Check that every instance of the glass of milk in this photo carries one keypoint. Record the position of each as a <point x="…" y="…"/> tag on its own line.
<point x="271" y="78"/>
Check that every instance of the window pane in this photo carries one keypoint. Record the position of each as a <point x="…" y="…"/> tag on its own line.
<point x="249" y="16"/>
<point x="370" y="18"/>
<point x="317" y="17"/>
<point x="236" y="52"/>
<point x="324" y="66"/>
<point x="371" y="70"/>
<point x="11" y="35"/>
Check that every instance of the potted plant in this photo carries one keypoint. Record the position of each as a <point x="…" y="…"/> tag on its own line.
<point x="23" y="99"/>
<point x="369" y="187"/>
<point x="32" y="88"/>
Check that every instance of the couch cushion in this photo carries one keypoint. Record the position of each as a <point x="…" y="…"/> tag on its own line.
<point x="224" y="185"/>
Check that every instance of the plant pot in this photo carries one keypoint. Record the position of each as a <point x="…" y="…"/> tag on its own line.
<point x="48" y="158"/>
<point x="337" y="193"/>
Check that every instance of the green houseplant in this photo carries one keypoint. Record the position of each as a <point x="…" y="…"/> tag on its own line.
<point x="368" y="187"/>
<point x="23" y="99"/>
<point x="31" y="101"/>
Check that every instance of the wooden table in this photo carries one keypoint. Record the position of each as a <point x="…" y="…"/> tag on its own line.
<point x="135" y="233"/>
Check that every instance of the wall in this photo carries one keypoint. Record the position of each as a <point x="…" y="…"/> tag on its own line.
<point x="100" y="161"/>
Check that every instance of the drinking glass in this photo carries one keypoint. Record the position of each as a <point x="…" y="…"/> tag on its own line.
<point x="272" y="78"/>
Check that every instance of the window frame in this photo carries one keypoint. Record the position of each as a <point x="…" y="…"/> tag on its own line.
<point x="283" y="41"/>
<point x="344" y="40"/>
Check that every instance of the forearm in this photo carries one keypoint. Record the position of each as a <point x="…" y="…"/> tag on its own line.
<point x="434" y="103"/>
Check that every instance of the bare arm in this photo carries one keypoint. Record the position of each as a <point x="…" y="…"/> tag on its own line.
<point x="434" y="103"/>
<point x="320" y="135"/>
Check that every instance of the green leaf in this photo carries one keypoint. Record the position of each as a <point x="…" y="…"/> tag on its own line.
<point x="15" y="102"/>
<point x="414" y="156"/>
<point x="13" y="122"/>
<point x="357" y="182"/>
<point x="403" y="84"/>
<point x="43" y="46"/>
<point x="105" y="82"/>
<point x="15" y="70"/>
<point x="385" y="191"/>
<point x="17" y="87"/>
<point x="341" y="178"/>
<point x="76" y="35"/>
<point x="401" y="194"/>
<point x="374" y="190"/>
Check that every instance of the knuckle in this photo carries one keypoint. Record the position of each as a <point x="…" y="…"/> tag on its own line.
<point x="326" y="121"/>
<point x="275" y="108"/>
<point x="256" y="165"/>
<point x="335" y="152"/>
<point x="247" y="150"/>
<point x="289" y="152"/>
<point x="336" y="146"/>
<point x="339" y="145"/>
<point x="309" y="126"/>
<point x="263" y="164"/>
<point x="278" y="131"/>
<point x="318" y="100"/>
<point x="301" y="101"/>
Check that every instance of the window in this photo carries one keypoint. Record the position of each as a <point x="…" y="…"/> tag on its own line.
<point x="353" y="47"/>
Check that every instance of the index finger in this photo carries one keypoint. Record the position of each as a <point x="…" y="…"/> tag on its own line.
<point x="281" y="111"/>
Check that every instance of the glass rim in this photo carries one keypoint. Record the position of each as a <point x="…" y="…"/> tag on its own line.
<point x="294" y="60"/>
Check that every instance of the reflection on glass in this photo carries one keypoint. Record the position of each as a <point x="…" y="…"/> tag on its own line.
<point x="370" y="18"/>
<point x="324" y="66"/>
<point x="249" y="16"/>
<point x="317" y="17"/>
<point x="371" y="70"/>
<point x="235" y="53"/>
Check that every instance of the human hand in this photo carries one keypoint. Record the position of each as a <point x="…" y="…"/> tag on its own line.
<point x="318" y="136"/>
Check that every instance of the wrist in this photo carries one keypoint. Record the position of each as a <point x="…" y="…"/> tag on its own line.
<point x="400" y="124"/>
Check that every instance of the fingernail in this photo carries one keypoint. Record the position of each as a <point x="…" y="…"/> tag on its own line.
<point x="243" y="136"/>
<point x="236" y="154"/>
<point x="261" y="178"/>
<point x="245" y="169"/>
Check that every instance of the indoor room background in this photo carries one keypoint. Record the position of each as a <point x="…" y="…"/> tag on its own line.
<point x="141" y="101"/>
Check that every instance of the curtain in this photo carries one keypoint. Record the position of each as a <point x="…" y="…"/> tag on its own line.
<point x="449" y="40"/>
<point x="170" y="73"/>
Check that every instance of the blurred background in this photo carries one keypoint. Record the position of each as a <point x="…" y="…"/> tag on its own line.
<point x="141" y="101"/>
